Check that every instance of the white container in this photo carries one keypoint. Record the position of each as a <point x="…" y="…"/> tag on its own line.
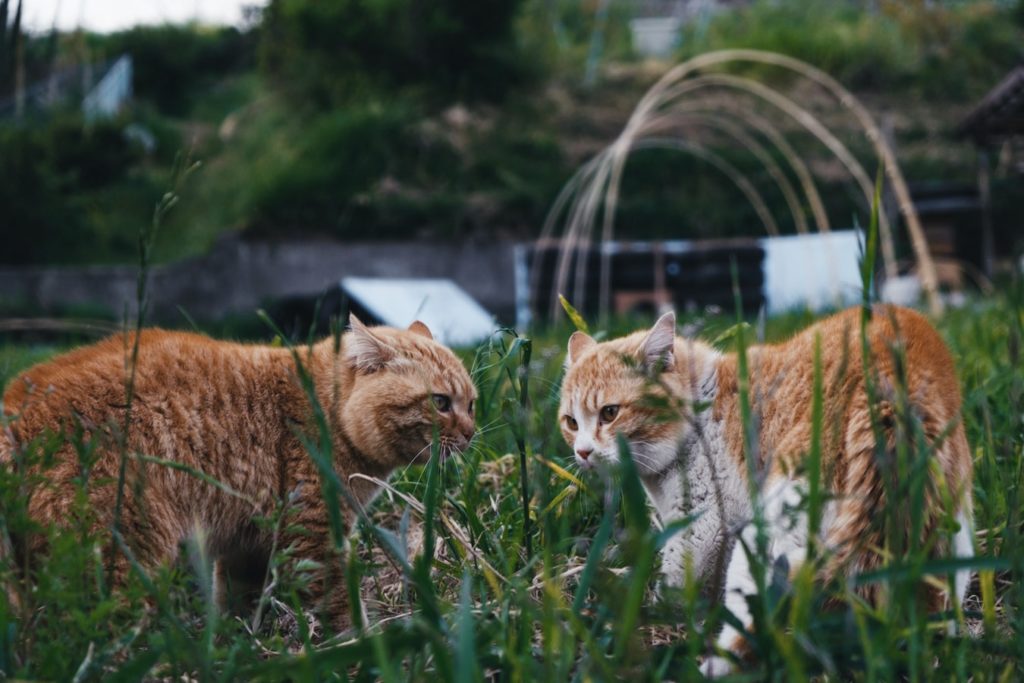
<point x="656" y="36"/>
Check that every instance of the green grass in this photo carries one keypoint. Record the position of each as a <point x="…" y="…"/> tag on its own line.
<point x="17" y="357"/>
<point x="579" y="607"/>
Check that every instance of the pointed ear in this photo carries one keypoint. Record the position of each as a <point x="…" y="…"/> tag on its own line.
<point x="656" y="348"/>
<point x="578" y="343"/>
<point x="363" y="350"/>
<point x="420" y="329"/>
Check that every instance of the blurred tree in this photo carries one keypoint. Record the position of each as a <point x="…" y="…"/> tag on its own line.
<point x="172" y="62"/>
<point x="45" y="172"/>
<point x="34" y="221"/>
<point x="340" y="51"/>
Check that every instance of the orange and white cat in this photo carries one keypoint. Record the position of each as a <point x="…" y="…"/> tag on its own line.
<point x="692" y="460"/>
<point x="237" y="413"/>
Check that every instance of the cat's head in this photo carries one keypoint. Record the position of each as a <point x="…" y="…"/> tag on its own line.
<point x="625" y="386"/>
<point x="406" y="388"/>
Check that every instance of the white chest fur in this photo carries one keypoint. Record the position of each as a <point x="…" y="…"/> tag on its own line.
<point x="704" y="483"/>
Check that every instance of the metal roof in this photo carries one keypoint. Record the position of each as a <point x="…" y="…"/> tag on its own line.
<point x="453" y="316"/>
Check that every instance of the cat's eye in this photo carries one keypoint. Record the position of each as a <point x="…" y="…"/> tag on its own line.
<point x="609" y="413"/>
<point x="471" y="407"/>
<point x="442" y="402"/>
<point x="570" y="423"/>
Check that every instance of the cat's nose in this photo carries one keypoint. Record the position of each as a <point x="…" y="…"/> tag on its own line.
<point x="584" y="452"/>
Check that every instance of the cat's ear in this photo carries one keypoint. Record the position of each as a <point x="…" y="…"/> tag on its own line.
<point x="363" y="350"/>
<point x="420" y="329"/>
<point x="578" y="343"/>
<point x="656" y="348"/>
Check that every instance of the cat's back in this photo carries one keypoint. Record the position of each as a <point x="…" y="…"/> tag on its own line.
<point x="91" y="368"/>
<point x="91" y="381"/>
<point x="901" y="340"/>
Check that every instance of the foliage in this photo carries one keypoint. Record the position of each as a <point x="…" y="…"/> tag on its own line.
<point x="383" y="165"/>
<point x="563" y="31"/>
<point x="51" y="177"/>
<point x="343" y="51"/>
<point x="172" y="64"/>
<point x="944" y="50"/>
<point x="338" y="157"/>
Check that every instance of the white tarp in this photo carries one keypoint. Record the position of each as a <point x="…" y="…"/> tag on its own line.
<point x="454" y="317"/>
<point x="814" y="271"/>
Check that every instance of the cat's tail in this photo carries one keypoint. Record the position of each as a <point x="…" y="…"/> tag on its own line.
<point x="963" y="547"/>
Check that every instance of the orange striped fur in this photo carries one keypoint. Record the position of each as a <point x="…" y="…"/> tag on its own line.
<point x="236" y="412"/>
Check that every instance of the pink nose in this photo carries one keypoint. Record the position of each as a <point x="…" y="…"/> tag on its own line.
<point x="584" y="452"/>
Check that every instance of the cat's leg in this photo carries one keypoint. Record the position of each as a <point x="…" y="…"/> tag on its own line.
<point x="692" y="552"/>
<point x="147" y="537"/>
<point x="311" y="539"/>
<point x="963" y="546"/>
<point x="151" y="536"/>
<point x="785" y="526"/>
<point x="238" y="578"/>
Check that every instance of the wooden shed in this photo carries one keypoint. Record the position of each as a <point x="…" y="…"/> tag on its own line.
<point x="996" y="126"/>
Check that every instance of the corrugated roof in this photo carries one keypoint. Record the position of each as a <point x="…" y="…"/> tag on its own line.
<point x="453" y="316"/>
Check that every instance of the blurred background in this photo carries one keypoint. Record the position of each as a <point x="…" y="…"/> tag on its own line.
<point x="308" y="144"/>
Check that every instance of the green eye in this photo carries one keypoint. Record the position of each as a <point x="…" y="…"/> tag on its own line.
<point x="609" y="413"/>
<point x="570" y="423"/>
<point x="442" y="402"/>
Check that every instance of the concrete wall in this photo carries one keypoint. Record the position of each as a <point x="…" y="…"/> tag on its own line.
<point x="239" y="276"/>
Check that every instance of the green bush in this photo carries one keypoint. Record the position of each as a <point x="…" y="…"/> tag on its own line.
<point x="44" y="172"/>
<point x="35" y="225"/>
<point x="342" y="51"/>
<point x="937" y="50"/>
<point x="339" y="156"/>
<point x="172" y="62"/>
<point x="388" y="172"/>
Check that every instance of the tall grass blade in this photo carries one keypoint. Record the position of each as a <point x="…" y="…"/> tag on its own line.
<point x="466" y="663"/>
<point x="574" y="316"/>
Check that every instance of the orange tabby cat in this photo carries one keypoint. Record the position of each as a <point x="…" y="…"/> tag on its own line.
<point x="692" y="461"/>
<point x="236" y="413"/>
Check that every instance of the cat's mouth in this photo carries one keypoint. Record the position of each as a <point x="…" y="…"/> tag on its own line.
<point x="446" y="448"/>
<point x="452" y="446"/>
<point x="597" y="460"/>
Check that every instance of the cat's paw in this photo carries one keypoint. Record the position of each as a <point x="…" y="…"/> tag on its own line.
<point x="716" y="667"/>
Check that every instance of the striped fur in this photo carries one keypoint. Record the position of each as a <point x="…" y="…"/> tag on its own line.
<point x="237" y="413"/>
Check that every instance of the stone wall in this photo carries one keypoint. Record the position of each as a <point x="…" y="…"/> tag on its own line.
<point x="240" y="276"/>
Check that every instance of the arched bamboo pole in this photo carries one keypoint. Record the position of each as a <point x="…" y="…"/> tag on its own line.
<point x="750" y="144"/>
<point x="925" y="264"/>
<point x="573" y="241"/>
<point x="796" y="162"/>
<point x="635" y="127"/>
